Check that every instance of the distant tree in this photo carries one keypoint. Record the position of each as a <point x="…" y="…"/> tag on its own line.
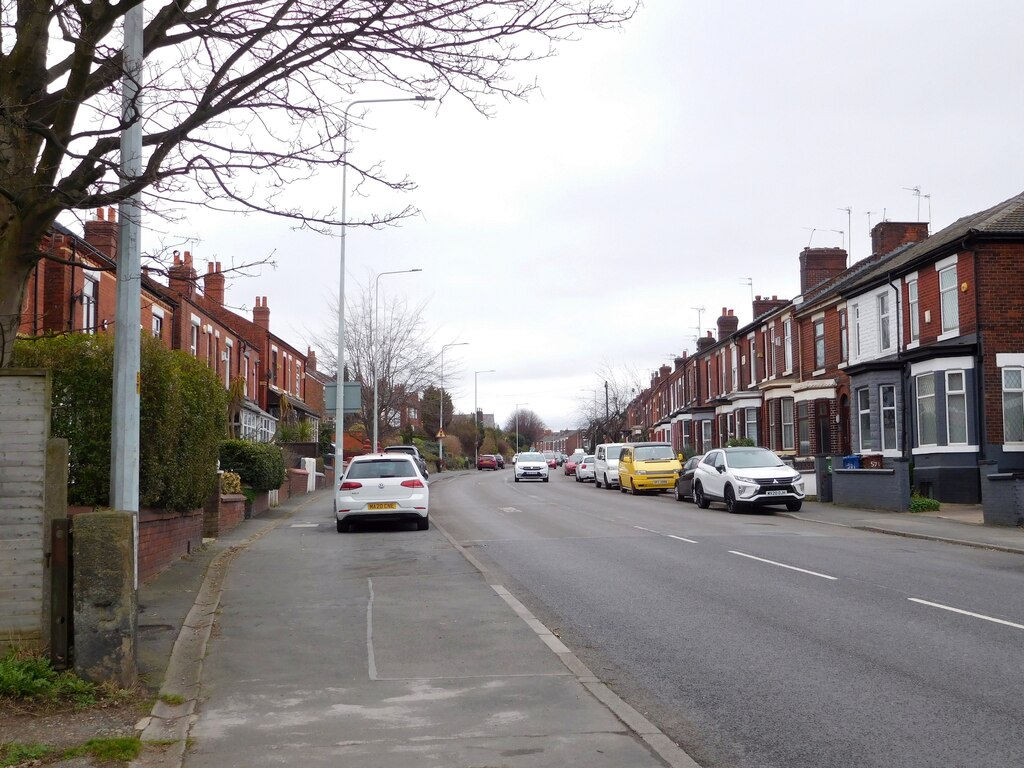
<point x="237" y="100"/>
<point x="461" y="426"/>
<point x="531" y="427"/>
<point x="603" y="418"/>
<point x="391" y="341"/>
<point x="430" y="410"/>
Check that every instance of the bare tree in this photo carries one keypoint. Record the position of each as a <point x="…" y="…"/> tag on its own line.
<point x="391" y="342"/>
<point x="238" y="100"/>
<point x="530" y="427"/>
<point x="603" y="413"/>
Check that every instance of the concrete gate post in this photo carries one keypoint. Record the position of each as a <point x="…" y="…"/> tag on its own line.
<point x="105" y="599"/>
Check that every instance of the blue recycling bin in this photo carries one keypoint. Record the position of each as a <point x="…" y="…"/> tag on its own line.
<point x="851" y="462"/>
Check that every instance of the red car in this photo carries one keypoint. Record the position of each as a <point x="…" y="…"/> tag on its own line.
<point x="570" y="465"/>
<point x="487" y="461"/>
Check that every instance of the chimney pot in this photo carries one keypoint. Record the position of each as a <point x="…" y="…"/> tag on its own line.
<point x="99" y="214"/>
<point x="111" y="215"/>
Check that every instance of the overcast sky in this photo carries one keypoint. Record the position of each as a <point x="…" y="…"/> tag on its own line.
<point x="659" y="167"/>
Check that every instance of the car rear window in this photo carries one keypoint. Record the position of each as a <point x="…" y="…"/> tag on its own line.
<point x="361" y="470"/>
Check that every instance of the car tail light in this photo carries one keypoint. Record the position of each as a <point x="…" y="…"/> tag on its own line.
<point x="412" y="483"/>
<point x="350" y="485"/>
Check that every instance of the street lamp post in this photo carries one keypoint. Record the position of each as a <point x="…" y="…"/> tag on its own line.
<point x="476" y="429"/>
<point x="339" y="424"/>
<point x="373" y="322"/>
<point x="593" y="420"/>
<point x="440" y="406"/>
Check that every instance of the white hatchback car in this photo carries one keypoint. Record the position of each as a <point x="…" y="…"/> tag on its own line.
<point x="532" y="466"/>
<point x="585" y="470"/>
<point x="382" y="486"/>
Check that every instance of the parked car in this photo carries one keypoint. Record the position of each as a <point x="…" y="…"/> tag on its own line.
<point x="569" y="467"/>
<point x="684" y="485"/>
<point x="606" y="465"/>
<point x="552" y="459"/>
<point x="500" y="459"/>
<point x="382" y="486"/>
<point x="647" y="467"/>
<point x="486" y="461"/>
<point x="515" y="457"/>
<point x="531" y="466"/>
<point x="585" y="470"/>
<point x="413" y="451"/>
<point x="742" y="477"/>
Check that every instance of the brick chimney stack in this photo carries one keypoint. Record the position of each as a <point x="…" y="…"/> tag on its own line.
<point x="181" y="277"/>
<point x="705" y="341"/>
<point x="820" y="264"/>
<point x="663" y="372"/>
<point x="261" y="314"/>
<point x="101" y="233"/>
<point x="887" y="236"/>
<point x="213" y="282"/>
<point x="310" y="359"/>
<point x="680" y="361"/>
<point x="764" y="305"/>
<point x="728" y="324"/>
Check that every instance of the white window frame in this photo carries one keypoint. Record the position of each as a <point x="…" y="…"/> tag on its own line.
<point x="245" y="372"/>
<point x="752" y="352"/>
<point x="90" y="304"/>
<point x="919" y="398"/>
<point x="844" y="335"/>
<point x="770" y="369"/>
<point x="705" y="435"/>
<point x="864" y="415"/>
<point x="735" y="367"/>
<point x="157" y="325"/>
<point x="883" y="409"/>
<point x="856" y="330"/>
<point x="789" y="445"/>
<point x="787" y="345"/>
<point x="960" y="394"/>
<point x="819" y="343"/>
<point x="951" y="320"/>
<point x="1018" y="393"/>
<point x="194" y="336"/>
<point x="884" y="322"/>
<point x="913" y="306"/>
<point x="228" y="355"/>
<point x="772" y="437"/>
<point x="750" y="424"/>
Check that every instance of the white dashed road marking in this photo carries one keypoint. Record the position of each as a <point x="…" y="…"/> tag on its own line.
<point x="967" y="613"/>
<point x="783" y="565"/>
<point x="666" y="535"/>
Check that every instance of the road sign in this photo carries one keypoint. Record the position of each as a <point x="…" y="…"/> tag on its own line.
<point x="440" y="434"/>
<point x="353" y="397"/>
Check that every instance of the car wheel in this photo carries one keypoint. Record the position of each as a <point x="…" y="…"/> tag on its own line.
<point x="423" y="523"/>
<point x="545" y="479"/>
<point x="794" y="506"/>
<point x="517" y="479"/>
<point x="607" y="484"/>
<point x="597" y="483"/>
<point x="342" y="527"/>
<point x="679" y="493"/>
<point x="632" y="488"/>
<point x="731" y="505"/>
<point x="698" y="495"/>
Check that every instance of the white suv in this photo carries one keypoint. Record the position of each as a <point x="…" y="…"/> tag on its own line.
<point x="606" y="465"/>
<point x="746" y="477"/>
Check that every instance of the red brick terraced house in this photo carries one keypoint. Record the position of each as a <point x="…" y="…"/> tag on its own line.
<point x="914" y="354"/>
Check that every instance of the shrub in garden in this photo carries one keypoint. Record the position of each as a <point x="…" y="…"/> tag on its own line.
<point x="260" y="465"/>
<point x="182" y="415"/>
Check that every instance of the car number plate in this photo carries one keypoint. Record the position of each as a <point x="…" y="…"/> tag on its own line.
<point x="382" y="505"/>
<point x="660" y="482"/>
<point x="775" y="493"/>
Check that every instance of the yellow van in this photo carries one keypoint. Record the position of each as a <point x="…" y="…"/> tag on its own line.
<point x="648" y="467"/>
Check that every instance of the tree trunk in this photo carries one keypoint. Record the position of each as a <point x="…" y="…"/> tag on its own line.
<point x="16" y="262"/>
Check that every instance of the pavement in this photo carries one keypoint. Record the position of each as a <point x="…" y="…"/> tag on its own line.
<point x="178" y="608"/>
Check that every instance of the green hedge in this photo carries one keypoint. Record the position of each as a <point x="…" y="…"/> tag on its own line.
<point x="260" y="465"/>
<point x="183" y="411"/>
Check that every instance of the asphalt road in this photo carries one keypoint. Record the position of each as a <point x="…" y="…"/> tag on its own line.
<point x="760" y="640"/>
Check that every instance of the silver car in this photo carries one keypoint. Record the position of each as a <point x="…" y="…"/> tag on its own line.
<point x="531" y="466"/>
<point x="382" y="486"/>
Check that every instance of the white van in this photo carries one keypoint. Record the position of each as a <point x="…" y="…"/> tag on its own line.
<point x="606" y="465"/>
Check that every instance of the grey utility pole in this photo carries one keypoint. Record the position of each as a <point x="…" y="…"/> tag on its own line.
<point x="124" y="434"/>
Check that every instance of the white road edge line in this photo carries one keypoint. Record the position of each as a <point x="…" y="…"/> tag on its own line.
<point x="967" y="613"/>
<point x="371" y="661"/>
<point x="666" y="535"/>
<point x="783" y="565"/>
